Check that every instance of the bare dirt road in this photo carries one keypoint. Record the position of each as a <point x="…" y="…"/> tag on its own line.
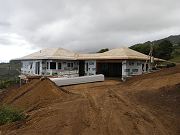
<point x="144" y="105"/>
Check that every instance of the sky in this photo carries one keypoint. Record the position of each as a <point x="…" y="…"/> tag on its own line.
<point x="83" y="25"/>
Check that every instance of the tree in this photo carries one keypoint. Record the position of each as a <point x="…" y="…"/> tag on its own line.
<point x="143" y="48"/>
<point x="164" y="50"/>
<point x="178" y="44"/>
<point x="103" y="50"/>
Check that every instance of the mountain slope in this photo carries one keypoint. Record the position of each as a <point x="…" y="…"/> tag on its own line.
<point x="174" y="40"/>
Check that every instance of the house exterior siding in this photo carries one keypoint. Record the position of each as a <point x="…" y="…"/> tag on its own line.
<point x="28" y="67"/>
<point x="130" y="67"/>
<point x="68" y="68"/>
<point x="90" y="67"/>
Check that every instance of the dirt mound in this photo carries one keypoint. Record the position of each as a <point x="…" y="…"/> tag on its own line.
<point x="35" y="93"/>
<point x="155" y="74"/>
<point x="155" y="80"/>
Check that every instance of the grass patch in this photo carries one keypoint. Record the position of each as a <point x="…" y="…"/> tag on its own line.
<point x="176" y="59"/>
<point x="176" y="54"/>
<point x="9" y="114"/>
<point x="6" y="83"/>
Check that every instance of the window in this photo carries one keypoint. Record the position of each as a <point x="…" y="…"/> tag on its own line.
<point x="126" y="70"/>
<point x="131" y="63"/>
<point x="138" y="63"/>
<point x="59" y="65"/>
<point x="134" y="70"/>
<point x="70" y="65"/>
<point x="52" y="65"/>
<point x="47" y="65"/>
<point x="86" y="66"/>
<point x="91" y="63"/>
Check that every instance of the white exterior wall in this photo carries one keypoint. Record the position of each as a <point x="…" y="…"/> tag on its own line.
<point x="91" y="69"/>
<point x="64" y="71"/>
<point x="128" y="69"/>
<point x="124" y="67"/>
<point x="28" y="67"/>
<point x="132" y="68"/>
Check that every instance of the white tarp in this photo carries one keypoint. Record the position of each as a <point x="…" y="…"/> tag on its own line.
<point x="77" y="80"/>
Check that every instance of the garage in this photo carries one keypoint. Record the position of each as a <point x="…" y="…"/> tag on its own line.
<point x="109" y="69"/>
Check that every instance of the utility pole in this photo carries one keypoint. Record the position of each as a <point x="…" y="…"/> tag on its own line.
<point x="151" y="56"/>
<point x="149" y="61"/>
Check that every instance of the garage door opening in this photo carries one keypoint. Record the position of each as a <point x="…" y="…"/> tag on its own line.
<point x="81" y="68"/>
<point x="110" y="69"/>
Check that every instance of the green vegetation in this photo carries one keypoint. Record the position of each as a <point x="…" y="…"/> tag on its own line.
<point x="103" y="50"/>
<point x="176" y="53"/>
<point x="9" y="74"/>
<point x="162" y="50"/>
<point x="6" y="83"/>
<point x="8" y="115"/>
<point x="168" y="48"/>
<point x="9" y="70"/>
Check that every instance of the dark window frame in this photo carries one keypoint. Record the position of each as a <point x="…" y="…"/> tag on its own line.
<point x="131" y="63"/>
<point x="47" y="65"/>
<point x="87" y="66"/>
<point x="53" y="66"/>
<point x="59" y="65"/>
<point x="70" y="64"/>
<point x="127" y="70"/>
<point x="135" y="70"/>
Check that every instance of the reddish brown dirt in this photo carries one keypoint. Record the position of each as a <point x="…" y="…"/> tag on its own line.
<point x="144" y="105"/>
<point x="34" y="94"/>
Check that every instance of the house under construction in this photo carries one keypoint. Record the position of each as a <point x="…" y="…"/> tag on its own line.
<point x="120" y="62"/>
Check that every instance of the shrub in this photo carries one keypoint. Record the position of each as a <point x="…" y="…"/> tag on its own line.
<point x="8" y="115"/>
<point x="6" y="83"/>
<point x="170" y="65"/>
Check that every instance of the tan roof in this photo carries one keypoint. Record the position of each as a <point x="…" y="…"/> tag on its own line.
<point x="59" y="53"/>
<point x="51" y="53"/>
<point x="118" y="53"/>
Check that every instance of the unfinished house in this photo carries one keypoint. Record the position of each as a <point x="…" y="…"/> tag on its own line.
<point x="120" y="62"/>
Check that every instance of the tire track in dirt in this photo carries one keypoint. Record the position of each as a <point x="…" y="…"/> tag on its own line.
<point x="106" y="118"/>
<point x="140" y="115"/>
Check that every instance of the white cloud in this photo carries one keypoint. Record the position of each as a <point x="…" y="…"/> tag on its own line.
<point x="14" y="46"/>
<point x="85" y="25"/>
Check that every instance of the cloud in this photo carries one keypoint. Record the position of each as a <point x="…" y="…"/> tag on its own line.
<point x="83" y="25"/>
<point x="14" y="46"/>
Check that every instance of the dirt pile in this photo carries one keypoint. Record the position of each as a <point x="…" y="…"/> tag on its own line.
<point x="144" y="105"/>
<point x="36" y="93"/>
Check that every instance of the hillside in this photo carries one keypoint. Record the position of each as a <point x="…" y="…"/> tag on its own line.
<point x="175" y="40"/>
<point x="144" y="105"/>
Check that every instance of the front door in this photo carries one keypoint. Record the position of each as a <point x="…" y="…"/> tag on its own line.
<point x="37" y="68"/>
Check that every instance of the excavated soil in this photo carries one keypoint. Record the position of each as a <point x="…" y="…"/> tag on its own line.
<point x="143" y="105"/>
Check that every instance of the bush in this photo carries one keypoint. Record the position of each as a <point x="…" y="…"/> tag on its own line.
<point x="8" y="115"/>
<point x="170" y="65"/>
<point x="6" y="83"/>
